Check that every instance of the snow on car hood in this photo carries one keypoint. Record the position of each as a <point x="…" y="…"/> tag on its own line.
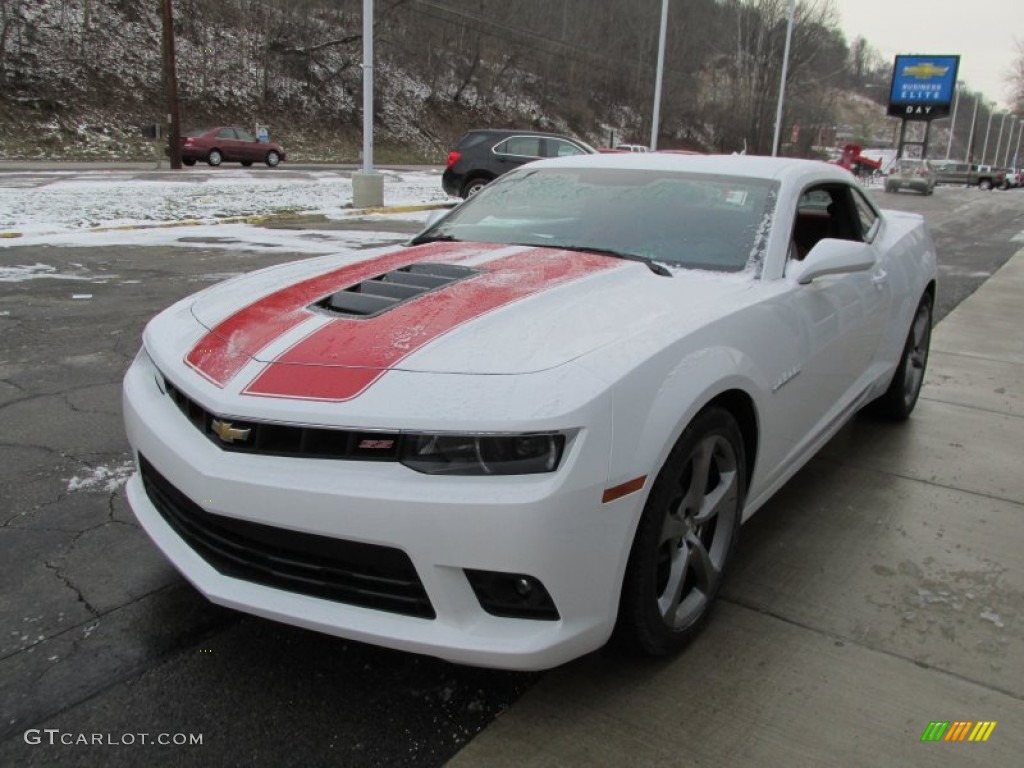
<point x="497" y="310"/>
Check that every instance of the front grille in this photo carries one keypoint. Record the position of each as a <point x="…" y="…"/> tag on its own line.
<point x="288" y="440"/>
<point x="366" y="575"/>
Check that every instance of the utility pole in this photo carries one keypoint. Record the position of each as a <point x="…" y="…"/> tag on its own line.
<point x="171" y="83"/>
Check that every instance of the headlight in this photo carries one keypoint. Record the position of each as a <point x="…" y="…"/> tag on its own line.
<point x="448" y="454"/>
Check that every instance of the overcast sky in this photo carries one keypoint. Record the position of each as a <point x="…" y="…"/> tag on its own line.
<point x="981" y="31"/>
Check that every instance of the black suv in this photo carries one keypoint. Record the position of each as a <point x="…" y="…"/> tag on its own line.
<point x="481" y="156"/>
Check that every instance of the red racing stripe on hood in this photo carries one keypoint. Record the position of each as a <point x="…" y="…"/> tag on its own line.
<point x="225" y="350"/>
<point x="342" y="359"/>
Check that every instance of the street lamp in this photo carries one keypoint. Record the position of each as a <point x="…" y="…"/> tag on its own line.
<point x="656" y="115"/>
<point x="952" y="124"/>
<point x="1009" y="141"/>
<point x="984" y="147"/>
<point x="999" y="143"/>
<point x="970" y="137"/>
<point x="782" y="82"/>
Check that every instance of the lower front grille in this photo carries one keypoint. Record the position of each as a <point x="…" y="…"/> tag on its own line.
<point x="366" y="575"/>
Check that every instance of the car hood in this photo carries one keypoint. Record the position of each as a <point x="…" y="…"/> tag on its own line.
<point x="318" y="330"/>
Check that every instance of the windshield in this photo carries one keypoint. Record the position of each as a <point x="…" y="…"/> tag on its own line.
<point x="696" y="221"/>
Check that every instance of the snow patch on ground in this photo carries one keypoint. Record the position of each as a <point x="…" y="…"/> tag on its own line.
<point x="995" y="618"/>
<point x="103" y="478"/>
<point x="240" y="237"/>
<point x="21" y="272"/>
<point x="55" y="206"/>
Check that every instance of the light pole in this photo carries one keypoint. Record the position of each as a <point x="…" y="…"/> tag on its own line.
<point x="656" y="115"/>
<point x="367" y="186"/>
<point x="970" y="137"/>
<point x="984" y="147"/>
<point x="1009" y="141"/>
<point x="999" y="143"/>
<point x="1016" y="152"/>
<point x="782" y="82"/>
<point x="952" y="124"/>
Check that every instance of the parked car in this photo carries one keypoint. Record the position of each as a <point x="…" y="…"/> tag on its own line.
<point x="1012" y="178"/>
<point x="632" y="148"/>
<point x="232" y="145"/>
<point x="481" y="156"/>
<point x="971" y="174"/>
<point x="915" y="175"/>
<point x="541" y="421"/>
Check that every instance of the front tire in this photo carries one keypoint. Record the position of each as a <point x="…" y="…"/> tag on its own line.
<point x="900" y="398"/>
<point x="215" y="158"/>
<point x="246" y="163"/>
<point x="985" y="184"/>
<point x="686" y="535"/>
<point x="273" y="159"/>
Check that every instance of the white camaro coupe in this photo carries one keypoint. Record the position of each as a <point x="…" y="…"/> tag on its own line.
<point x="540" y="422"/>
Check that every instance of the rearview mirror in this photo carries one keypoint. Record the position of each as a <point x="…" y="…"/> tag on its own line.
<point x="835" y="257"/>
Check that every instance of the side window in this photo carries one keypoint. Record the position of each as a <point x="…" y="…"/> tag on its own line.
<point x="226" y="133"/>
<point x="866" y="215"/>
<point x="244" y="135"/>
<point x="523" y="146"/>
<point x="560" y="148"/>
<point x="824" y="211"/>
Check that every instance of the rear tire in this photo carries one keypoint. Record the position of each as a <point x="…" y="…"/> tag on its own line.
<point x="246" y="163"/>
<point x="190" y="161"/>
<point x="900" y="398"/>
<point x="215" y="158"/>
<point x="685" y="538"/>
<point x="473" y="186"/>
<point x="985" y="184"/>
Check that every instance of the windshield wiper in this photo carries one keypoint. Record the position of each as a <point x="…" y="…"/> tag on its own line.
<point x="421" y="239"/>
<point x="654" y="266"/>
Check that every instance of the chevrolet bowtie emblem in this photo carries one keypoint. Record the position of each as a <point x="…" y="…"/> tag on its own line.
<point x="229" y="433"/>
<point x="925" y="70"/>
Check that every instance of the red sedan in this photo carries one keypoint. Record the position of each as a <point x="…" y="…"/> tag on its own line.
<point x="225" y="144"/>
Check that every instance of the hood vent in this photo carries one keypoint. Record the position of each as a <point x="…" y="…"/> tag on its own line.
<point x="378" y="294"/>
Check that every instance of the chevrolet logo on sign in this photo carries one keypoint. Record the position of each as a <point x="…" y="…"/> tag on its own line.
<point x="925" y="71"/>
<point x="229" y="433"/>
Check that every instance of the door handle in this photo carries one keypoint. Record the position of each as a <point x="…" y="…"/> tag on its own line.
<point x="879" y="278"/>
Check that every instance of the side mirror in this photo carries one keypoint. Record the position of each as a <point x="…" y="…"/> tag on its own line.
<point x="834" y="257"/>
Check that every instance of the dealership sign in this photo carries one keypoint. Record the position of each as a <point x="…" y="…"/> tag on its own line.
<point x="923" y="86"/>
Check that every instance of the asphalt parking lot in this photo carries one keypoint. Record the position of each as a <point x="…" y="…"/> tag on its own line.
<point x="880" y="590"/>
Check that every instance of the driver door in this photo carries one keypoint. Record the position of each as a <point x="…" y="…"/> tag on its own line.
<point x="837" y="320"/>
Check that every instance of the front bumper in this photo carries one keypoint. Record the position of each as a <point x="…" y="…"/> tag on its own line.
<point x="551" y="527"/>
